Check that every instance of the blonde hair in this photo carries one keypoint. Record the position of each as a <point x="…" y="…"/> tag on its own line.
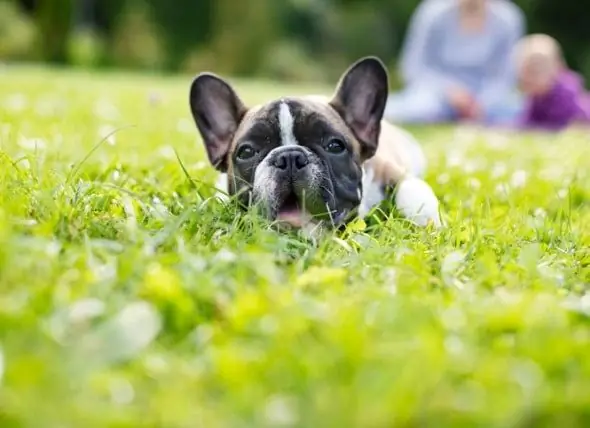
<point x="539" y="49"/>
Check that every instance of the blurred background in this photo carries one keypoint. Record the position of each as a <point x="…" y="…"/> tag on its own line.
<point x="304" y="40"/>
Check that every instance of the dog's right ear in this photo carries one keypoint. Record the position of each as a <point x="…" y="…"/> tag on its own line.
<point x="217" y="111"/>
<point x="360" y="100"/>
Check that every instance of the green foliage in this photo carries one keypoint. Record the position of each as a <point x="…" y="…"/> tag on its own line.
<point x="54" y="21"/>
<point x="130" y="297"/>
<point x="86" y="48"/>
<point x="244" y="33"/>
<point x="184" y="25"/>
<point x="135" y="40"/>
<point x="288" y="61"/>
<point x="286" y="40"/>
<point x="17" y="33"/>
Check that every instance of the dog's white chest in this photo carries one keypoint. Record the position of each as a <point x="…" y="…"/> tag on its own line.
<point x="373" y="193"/>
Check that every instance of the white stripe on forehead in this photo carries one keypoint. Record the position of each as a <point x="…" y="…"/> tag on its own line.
<point x="286" y="125"/>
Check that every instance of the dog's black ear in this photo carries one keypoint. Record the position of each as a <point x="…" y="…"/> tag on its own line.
<point x="360" y="99"/>
<point x="217" y="111"/>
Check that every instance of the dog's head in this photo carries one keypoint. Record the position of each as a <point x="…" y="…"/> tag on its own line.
<point x="300" y="159"/>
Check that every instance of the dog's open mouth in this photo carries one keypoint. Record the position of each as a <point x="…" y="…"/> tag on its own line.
<point x="291" y="212"/>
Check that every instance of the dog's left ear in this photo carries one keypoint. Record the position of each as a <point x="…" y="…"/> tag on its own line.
<point x="217" y="111"/>
<point x="360" y="100"/>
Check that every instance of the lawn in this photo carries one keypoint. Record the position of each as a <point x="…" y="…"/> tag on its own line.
<point x="129" y="297"/>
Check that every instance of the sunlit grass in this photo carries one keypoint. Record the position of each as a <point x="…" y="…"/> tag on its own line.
<point x="129" y="296"/>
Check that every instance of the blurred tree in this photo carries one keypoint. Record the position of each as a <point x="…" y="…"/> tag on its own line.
<point x="336" y="32"/>
<point x="136" y="41"/>
<point x="245" y="32"/>
<point x="106" y="14"/>
<point x="288" y="38"/>
<point x="305" y="21"/>
<point x="17" y="32"/>
<point x="54" y="21"/>
<point x="184" y="24"/>
<point x="395" y="14"/>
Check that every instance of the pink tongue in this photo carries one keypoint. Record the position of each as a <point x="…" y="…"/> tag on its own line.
<point x="292" y="216"/>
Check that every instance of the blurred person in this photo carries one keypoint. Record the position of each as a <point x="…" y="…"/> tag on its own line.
<point x="555" y="95"/>
<point x="457" y="63"/>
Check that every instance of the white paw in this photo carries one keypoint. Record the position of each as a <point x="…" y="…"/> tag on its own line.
<point x="417" y="202"/>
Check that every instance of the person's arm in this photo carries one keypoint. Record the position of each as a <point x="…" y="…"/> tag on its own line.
<point x="501" y="79"/>
<point x="419" y="47"/>
<point x="560" y="109"/>
<point x="568" y="106"/>
<point x="583" y="107"/>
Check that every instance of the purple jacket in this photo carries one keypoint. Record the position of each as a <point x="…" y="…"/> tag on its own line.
<point x="565" y="104"/>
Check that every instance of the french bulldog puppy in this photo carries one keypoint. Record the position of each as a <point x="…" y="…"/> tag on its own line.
<point x="313" y="161"/>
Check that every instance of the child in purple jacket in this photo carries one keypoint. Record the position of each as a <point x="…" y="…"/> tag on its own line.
<point x="555" y="95"/>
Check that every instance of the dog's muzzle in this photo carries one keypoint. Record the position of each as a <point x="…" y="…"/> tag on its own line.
<point x="291" y="184"/>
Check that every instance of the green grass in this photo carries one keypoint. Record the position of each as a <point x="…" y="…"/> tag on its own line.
<point x="129" y="297"/>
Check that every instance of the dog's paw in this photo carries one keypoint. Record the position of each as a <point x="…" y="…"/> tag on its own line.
<point x="417" y="202"/>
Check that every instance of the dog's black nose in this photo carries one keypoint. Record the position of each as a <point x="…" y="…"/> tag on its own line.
<point x="292" y="159"/>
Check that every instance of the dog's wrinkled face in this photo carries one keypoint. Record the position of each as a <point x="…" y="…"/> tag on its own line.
<point x="299" y="159"/>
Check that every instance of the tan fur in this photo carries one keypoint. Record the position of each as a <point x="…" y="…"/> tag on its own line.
<point x="391" y="161"/>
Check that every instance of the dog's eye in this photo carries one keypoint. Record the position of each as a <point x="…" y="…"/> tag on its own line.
<point x="335" y="146"/>
<point x="245" y="152"/>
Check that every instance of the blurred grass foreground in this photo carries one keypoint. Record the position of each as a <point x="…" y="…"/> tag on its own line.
<point x="130" y="298"/>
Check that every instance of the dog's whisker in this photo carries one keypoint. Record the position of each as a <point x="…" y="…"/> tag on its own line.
<point x="304" y="201"/>
<point x="331" y="217"/>
<point x="328" y="191"/>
